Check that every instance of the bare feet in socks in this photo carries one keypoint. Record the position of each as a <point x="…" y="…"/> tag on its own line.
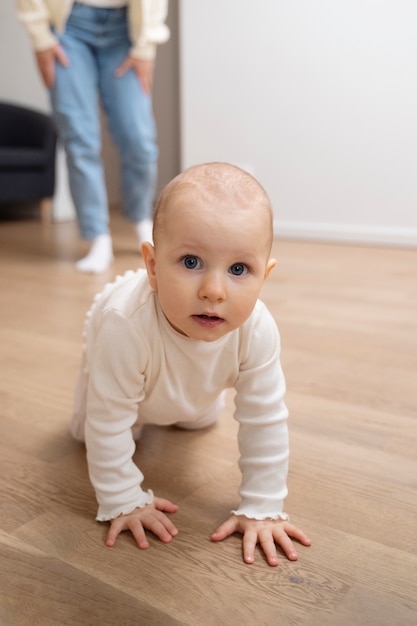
<point x="99" y="258"/>
<point x="100" y="255"/>
<point x="144" y="231"/>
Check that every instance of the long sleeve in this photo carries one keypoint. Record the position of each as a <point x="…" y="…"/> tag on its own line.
<point x="147" y="27"/>
<point x="263" y="432"/>
<point x="115" y="390"/>
<point x="36" y="18"/>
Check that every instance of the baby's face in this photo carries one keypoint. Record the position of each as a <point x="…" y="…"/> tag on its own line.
<point x="209" y="264"/>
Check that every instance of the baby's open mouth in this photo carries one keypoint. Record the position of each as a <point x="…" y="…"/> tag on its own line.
<point x="208" y="321"/>
<point x="210" y="317"/>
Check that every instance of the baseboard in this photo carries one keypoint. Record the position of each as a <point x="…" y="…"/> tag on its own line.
<point x="345" y="233"/>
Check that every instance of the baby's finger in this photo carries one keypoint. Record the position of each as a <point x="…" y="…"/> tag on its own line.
<point x="267" y="542"/>
<point x="286" y="544"/>
<point x="165" y="505"/>
<point x="116" y="527"/>
<point x="159" y="528"/>
<point x="167" y="523"/>
<point x="138" y="532"/>
<point x="250" y="539"/>
<point x="298" y="534"/>
<point x="226" y="529"/>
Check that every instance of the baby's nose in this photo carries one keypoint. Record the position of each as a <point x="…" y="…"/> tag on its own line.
<point x="212" y="287"/>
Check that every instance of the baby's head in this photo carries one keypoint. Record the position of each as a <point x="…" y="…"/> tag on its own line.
<point x="212" y="241"/>
<point x="221" y="187"/>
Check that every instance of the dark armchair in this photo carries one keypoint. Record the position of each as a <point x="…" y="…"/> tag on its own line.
<point x="27" y="155"/>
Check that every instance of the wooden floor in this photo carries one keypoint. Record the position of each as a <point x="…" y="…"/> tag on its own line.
<point x="348" y="320"/>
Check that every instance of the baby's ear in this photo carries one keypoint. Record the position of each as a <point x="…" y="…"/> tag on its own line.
<point x="269" y="266"/>
<point x="148" y="253"/>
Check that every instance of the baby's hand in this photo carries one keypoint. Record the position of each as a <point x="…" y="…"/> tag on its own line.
<point x="267" y="533"/>
<point x="151" y="517"/>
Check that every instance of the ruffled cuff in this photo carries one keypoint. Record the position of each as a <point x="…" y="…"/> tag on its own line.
<point x="262" y="516"/>
<point x="105" y="514"/>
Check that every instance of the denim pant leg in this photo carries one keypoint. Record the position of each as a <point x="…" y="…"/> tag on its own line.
<point x="74" y="99"/>
<point x="132" y="126"/>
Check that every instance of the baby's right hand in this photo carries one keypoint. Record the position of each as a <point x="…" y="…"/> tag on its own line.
<point x="152" y="517"/>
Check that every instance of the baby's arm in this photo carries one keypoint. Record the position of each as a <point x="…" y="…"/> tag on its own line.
<point x="151" y="517"/>
<point x="264" y="451"/>
<point x="267" y="533"/>
<point x="115" y="390"/>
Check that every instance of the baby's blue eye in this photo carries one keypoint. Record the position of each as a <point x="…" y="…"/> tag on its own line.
<point x="191" y="262"/>
<point x="238" y="269"/>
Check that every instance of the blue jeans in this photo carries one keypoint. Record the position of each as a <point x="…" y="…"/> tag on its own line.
<point x="96" y="41"/>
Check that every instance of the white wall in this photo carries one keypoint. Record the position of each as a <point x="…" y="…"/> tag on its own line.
<point x="317" y="98"/>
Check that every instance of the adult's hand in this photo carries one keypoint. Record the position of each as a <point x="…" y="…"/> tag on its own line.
<point x="46" y="60"/>
<point x="143" y="70"/>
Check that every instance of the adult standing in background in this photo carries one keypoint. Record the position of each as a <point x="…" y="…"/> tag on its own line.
<point x="87" y="51"/>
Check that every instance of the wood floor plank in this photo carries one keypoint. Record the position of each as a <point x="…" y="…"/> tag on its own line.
<point x="207" y="572"/>
<point x="39" y="589"/>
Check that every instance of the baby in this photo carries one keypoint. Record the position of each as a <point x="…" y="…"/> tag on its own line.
<point x="162" y="345"/>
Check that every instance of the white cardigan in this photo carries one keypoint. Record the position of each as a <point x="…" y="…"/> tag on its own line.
<point x="146" y="23"/>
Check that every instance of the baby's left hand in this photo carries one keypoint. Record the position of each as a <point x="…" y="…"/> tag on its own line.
<point x="267" y="533"/>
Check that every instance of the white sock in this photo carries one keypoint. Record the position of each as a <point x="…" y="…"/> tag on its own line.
<point x="99" y="257"/>
<point x="144" y="231"/>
